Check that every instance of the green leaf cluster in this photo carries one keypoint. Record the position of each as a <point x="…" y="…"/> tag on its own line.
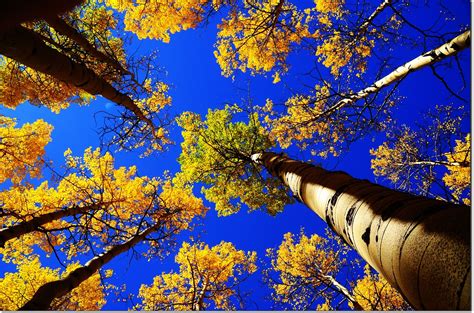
<point x="216" y="152"/>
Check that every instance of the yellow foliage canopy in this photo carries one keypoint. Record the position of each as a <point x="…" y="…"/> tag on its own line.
<point x="302" y="265"/>
<point x="117" y="199"/>
<point x="422" y="157"/>
<point x="340" y="47"/>
<point x="17" y="288"/>
<point x="299" y="123"/>
<point x="374" y="293"/>
<point x="206" y="275"/>
<point x="19" y="83"/>
<point x="458" y="178"/>
<point x="307" y="268"/>
<point x="158" y="19"/>
<point x="22" y="149"/>
<point x="259" y="37"/>
<point x="389" y="157"/>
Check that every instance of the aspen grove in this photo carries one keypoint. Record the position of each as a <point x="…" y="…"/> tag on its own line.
<point x="235" y="155"/>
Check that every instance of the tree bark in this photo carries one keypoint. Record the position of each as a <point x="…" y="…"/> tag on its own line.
<point x="374" y="14"/>
<point x="420" y="245"/>
<point x="25" y="47"/>
<point x="199" y="304"/>
<point x="65" y="29"/>
<point x="435" y="163"/>
<point x="15" y="12"/>
<point x="331" y="281"/>
<point x="33" y="224"/>
<point x="448" y="49"/>
<point x="45" y="295"/>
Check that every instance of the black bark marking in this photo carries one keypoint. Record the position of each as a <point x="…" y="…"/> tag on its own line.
<point x="431" y="54"/>
<point x="455" y="46"/>
<point x="350" y="215"/>
<point x="349" y="220"/>
<point x="330" y="223"/>
<point x="366" y="196"/>
<point x="348" y="240"/>
<point x="332" y="203"/>
<point x="377" y="232"/>
<point x="366" y="236"/>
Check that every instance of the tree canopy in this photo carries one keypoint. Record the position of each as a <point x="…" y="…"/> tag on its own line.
<point x="137" y="133"/>
<point x="207" y="276"/>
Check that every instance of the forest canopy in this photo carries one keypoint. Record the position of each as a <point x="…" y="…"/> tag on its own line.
<point x="235" y="155"/>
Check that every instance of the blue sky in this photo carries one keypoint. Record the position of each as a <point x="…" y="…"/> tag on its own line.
<point x="197" y="85"/>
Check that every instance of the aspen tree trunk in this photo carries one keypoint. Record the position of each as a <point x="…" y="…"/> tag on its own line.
<point x="25" y="47"/>
<point x="435" y="163"/>
<point x="420" y="245"/>
<point x="65" y="29"/>
<point x="331" y="281"/>
<point x="15" y="12"/>
<point x="448" y="49"/>
<point x="374" y="14"/>
<point x="33" y="224"/>
<point x="45" y="295"/>
<point x="199" y="305"/>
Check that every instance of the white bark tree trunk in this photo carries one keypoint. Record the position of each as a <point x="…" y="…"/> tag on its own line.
<point x="198" y="305"/>
<point x="331" y="281"/>
<point x="374" y="14"/>
<point x="448" y="49"/>
<point x="420" y="245"/>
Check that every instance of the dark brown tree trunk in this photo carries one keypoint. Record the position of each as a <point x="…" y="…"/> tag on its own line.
<point x="65" y="29"/>
<point x="15" y="12"/>
<point x="45" y="295"/>
<point x="25" y="47"/>
<point x="420" y="245"/>
<point x="33" y="224"/>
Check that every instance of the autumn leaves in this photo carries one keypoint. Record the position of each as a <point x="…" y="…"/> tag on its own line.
<point x="93" y="209"/>
<point x="90" y="207"/>
<point x="207" y="276"/>
<point x="76" y="57"/>
<point x="22" y="148"/>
